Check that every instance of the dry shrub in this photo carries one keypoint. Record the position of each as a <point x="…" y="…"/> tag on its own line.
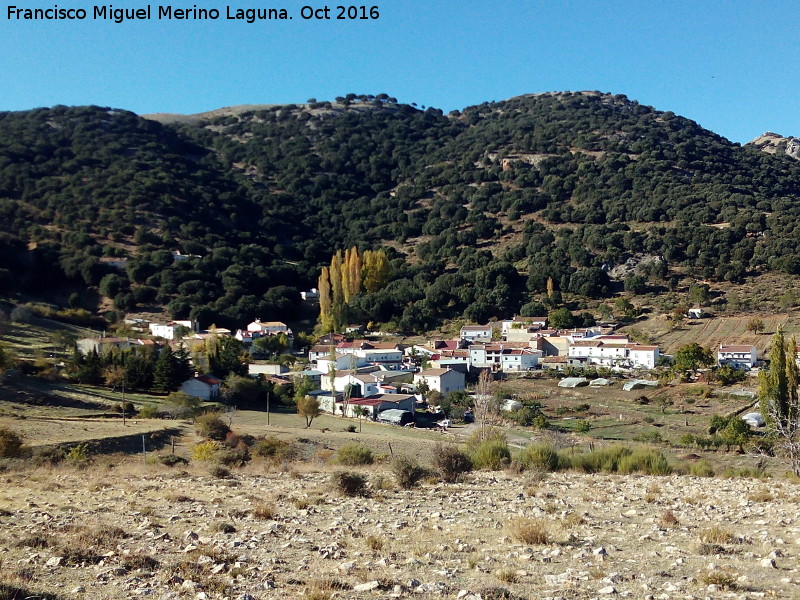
<point x="144" y="562"/>
<point x="265" y="511"/>
<point x="668" y="519"/>
<point x="211" y="426"/>
<point x="529" y="531"/>
<point x="275" y="449"/>
<point x="716" y="535"/>
<point x="724" y="579"/>
<point x="375" y="543"/>
<point x="760" y="496"/>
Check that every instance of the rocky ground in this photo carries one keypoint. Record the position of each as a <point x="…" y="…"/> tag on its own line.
<point x="128" y="530"/>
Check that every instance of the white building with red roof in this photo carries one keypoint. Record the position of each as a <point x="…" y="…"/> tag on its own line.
<point x="205" y="387"/>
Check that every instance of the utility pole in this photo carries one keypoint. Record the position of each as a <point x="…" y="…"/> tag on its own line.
<point x="124" y="423"/>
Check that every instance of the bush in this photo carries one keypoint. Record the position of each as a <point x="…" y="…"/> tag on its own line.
<point x="212" y="426"/>
<point x="349" y="483"/>
<point x="50" y="456"/>
<point x="407" y="472"/>
<point x="205" y="451"/>
<point x="450" y="462"/>
<point x="10" y="444"/>
<point x="353" y="455"/>
<point x="529" y="531"/>
<point x="171" y="460"/>
<point x="491" y="454"/>
<point x="182" y="406"/>
<point x="649" y="462"/>
<point x="604" y="459"/>
<point x="701" y="469"/>
<point x="149" y="411"/>
<point x="273" y="448"/>
<point x="78" y="454"/>
<point x="541" y="457"/>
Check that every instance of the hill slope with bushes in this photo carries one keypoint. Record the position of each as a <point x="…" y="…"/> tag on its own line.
<point x="478" y="209"/>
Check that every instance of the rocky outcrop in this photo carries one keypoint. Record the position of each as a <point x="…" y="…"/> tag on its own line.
<point x="777" y="144"/>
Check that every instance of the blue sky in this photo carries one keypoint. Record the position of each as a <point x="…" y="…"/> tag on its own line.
<point x="733" y="66"/>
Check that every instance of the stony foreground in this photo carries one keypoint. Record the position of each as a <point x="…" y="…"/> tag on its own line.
<point x="150" y="531"/>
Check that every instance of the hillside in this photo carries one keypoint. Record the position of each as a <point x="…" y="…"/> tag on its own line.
<point x="479" y="208"/>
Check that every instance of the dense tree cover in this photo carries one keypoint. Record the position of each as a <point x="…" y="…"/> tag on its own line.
<point x="477" y="211"/>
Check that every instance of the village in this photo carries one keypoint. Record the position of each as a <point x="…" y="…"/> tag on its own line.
<point x="356" y="374"/>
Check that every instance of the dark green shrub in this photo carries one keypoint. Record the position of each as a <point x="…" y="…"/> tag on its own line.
<point x="491" y="454"/>
<point x="701" y="469"/>
<point x="353" y="455"/>
<point x="540" y="457"/>
<point x="450" y="462"/>
<point x="407" y="472"/>
<point x="648" y="461"/>
<point x="10" y="444"/>
<point x="602" y="460"/>
<point x="170" y="460"/>
<point x="349" y="483"/>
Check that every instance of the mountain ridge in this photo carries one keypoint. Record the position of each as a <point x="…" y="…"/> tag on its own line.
<point x="481" y="206"/>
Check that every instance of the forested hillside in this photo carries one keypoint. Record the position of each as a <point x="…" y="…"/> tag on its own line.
<point x="477" y="209"/>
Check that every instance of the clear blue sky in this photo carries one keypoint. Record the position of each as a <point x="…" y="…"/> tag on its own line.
<point x="733" y="66"/>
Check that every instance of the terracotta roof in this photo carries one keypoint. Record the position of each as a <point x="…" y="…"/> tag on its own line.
<point x="641" y="347"/>
<point x="587" y="344"/>
<point x="554" y="359"/>
<point x="475" y="327"/>
<point x="321" y="348"/>
<point x="209" y="379"/>
<point x="362" y="401"/>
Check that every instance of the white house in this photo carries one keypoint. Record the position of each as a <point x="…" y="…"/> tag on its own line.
<point x="519" y="359"/>
<point x="610" y="354"/>
<point x="205" y="387"/>
<point x="319" y="351"/>
<point x="169" y="331"/>
<point x="741" y="357"/>
<point x="476" y="333"/>
<point x="376" y="404"/>
<point x="523" y="323"/>
<point x="443" y="381"/>
<point x="269" y="327"/>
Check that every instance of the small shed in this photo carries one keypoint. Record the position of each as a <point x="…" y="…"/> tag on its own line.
<point x="573" y="382"/>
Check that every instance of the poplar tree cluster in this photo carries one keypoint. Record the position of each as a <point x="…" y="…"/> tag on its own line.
<point x="349" y="274"/>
